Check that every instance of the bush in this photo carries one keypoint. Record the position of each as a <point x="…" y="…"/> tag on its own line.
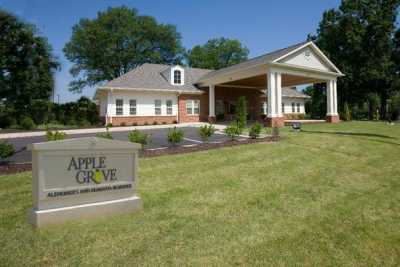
<point x="6" y="150"/>
<point x="146" y="123"/>
<point x="232" y="131"/>
<point x="137" y="136"/>
<point x="122" y="124"/>
<point x="155" y="122"/>
<point x="255" y="130"/>
<point x="83" y="123"/>
<point x="109" y="125"/>
<point x="134" y="124"/>
<point x="27" y="123"/>
<point x="106" y="135"/>
<point x="175" y="136"/>
<point x="206" y="131"/>
<point x="56" y="135"/>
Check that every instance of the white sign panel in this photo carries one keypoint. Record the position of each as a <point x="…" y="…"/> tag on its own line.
<point x="83" y="177"/>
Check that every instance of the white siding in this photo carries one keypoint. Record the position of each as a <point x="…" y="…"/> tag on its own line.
<point x="300" y="59"/>
<point x="288" y="105"/>
<point x="144" y="103"/>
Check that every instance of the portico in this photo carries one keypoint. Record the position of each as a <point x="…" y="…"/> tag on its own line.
<point x="296" y="65"/>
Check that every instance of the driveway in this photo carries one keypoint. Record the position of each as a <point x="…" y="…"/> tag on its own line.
<point x="158" y="137"/>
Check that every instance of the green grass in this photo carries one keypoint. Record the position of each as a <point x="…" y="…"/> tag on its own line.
<point x="328" y="196"/>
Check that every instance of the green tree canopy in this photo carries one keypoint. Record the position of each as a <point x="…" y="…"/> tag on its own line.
<point x="358" y="37"/>
<point x="117" y="41"/>
<point x="217" y="53"/>
<point x="26" y="63"/>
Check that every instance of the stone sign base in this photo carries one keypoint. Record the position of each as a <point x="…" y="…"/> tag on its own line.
<point x="41" y="218"/>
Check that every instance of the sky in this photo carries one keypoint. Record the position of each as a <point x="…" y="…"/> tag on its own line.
<point x="261" y="25"/>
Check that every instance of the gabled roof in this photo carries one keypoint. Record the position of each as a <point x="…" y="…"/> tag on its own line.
<point x="155" y="76"/>
<point x="271" y="58"/>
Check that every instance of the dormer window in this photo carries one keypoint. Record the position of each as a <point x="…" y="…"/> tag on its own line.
<point x="177" y="75"/>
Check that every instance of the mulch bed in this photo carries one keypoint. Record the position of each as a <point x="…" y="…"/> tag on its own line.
<point x="10" y="168"/>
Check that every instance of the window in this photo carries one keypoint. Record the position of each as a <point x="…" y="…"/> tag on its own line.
<point x="157" y="107"/>
<point x="219" y="107"/>
<point x="298" y="107"/>
<point x="193" y="107"/>
<point x="119" y="107"/>
<point x="264" y="108"/>
<point x="169" y="107"/>
<point x="283" y="107"/>
<point x="132" y="107"/>
<point x="293" y="107"/>
<point x="177" y="77"/>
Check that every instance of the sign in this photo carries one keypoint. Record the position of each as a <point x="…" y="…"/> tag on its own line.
<point x="83" y="178"/>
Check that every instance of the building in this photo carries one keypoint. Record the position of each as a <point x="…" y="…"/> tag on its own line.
<point x="153" y="93"/>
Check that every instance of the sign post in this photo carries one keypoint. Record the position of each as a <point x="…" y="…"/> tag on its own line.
<point x="83" y="178"/>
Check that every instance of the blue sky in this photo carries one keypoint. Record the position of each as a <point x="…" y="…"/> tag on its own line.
<point x="261" y="25"/>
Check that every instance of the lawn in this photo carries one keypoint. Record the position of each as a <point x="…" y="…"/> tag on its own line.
<point x="328" y="196"/>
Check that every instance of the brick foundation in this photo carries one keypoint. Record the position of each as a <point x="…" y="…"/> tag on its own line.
<point x="212" y="119"/>
<point x="143" y="120"/>
<point x="275" y="122"/>
<point x="332" y="119"/>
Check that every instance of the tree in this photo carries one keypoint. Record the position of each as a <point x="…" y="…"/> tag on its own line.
<point x="217" y="53"/>
<point x="26" y="64"/>
<point x="117" y="41"/>
<point x="358" y="37"/>
<point x="317" y="105"/>
<point x="241" y="112"/>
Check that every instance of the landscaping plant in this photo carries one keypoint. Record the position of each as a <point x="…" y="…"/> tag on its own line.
<point x="56" y="135"/>
<point x="255" y="130"/>
<point x="27" y="123"/>
<point x="175" y="136"/>
<point x="6" y="150"/>
<point x="346" y="112"/>
<point x="241" y="112"/>
<point x="106" y="135"/>
<point x="137" y="136"/>
<point x="206" y="131"/>
<point x="232" y="131"/>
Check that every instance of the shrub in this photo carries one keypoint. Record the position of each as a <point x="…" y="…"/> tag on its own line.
<point x="175" y="122"/>
<point x="56" y="135"/>
<point x="206" y="131"/>
<point x="83" y="123"/>
<point x="255" y="130"/>
<point x="137" y="136"/>
<point x="241" y="112"/>
<point x="27" y="123"/>
<point x="109" y="125"/>
<point x="106" y="135"/>
<point x="134" y="124"/>
<point x="122" y="124"/>
<point x="164" y="122"/>
<point x="155" y="122"/>
<point x="220" y="117"/>
<point x="6" y="150"/>
<point x="175" y="136"/>
<point x="146" y="123"/>
<point x="232" y="130"/>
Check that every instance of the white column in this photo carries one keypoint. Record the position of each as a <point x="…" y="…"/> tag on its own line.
<point x="274" y="92"/>
<point x="278" y="89"/>
<point x="331" y="98"/>
<point x="211" y="101"/>
<point x="109" y="107"/>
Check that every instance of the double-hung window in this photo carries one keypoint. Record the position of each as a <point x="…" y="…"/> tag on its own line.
<point x="157" y="107"/>
<point x="298" y="107"/>
<point x="132" y="107"/>
<point x="119" y="107"/>
<point x="193" y="107"/>
<point x="264" y="108"/>
<point x="293" y="107"/>
<point x="177" y="77"/>
<point x="169" y="107"/>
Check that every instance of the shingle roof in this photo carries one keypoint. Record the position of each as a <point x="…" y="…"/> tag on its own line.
<point x="289" y="92"/>
<point x="269" y="57"/>
<point x="153" y="76"/>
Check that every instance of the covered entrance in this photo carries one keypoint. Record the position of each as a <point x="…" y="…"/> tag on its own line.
<point x="303" y="63"/>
